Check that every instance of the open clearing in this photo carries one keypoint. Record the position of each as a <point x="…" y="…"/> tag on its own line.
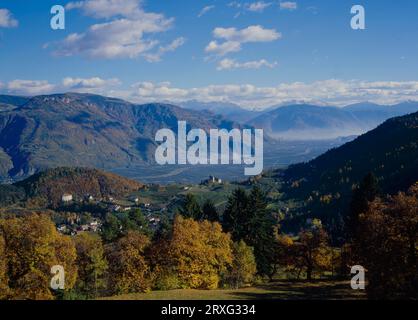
<point x="282" y="290"/>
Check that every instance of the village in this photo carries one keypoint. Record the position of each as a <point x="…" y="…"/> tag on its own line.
<point x="86" y="214"/>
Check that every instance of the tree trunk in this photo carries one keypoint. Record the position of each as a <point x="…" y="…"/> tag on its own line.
<point x="309" y="273"/>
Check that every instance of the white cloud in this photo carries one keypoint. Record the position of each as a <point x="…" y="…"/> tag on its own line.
<point x="234" y="38"/>
<point x="242" y="8"/>
<point x="228" y="64"/>
<point x="326" y="92"/>
<point x="250" y="34"/>
<point x="205" y="10"/>
<point x="155" y="57"/>
<point x="143" y="91"/>
<point x="120" y="38"/>
<point x="126" y="35"/>
<point x="7" y="20"/>
<point x="75" y="5"/>
<point x="29" y="87"/>
<point x="107" y="8"/>
<point x="259" y="6"/>
<point x="235" y="4"/>
<point x="223" y="48"/>
<point x="89" y="83"/>
<point x="288" y="5"/>
<point x="38" y="87"/>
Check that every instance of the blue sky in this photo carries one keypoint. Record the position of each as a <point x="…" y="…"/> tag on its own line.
<point x="255" y="53"/>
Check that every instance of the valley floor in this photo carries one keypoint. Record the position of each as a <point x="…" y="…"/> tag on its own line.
<point x="279" y="290"/>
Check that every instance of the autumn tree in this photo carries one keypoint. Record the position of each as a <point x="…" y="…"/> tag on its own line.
<point x="67" y="256"/>
<point x="387" y="246"/>
<point x="128" y="268"/>
<point x="92" y="265"/>
<point x="243" y="267"/>
<point x="33" y="247"/>
<point x="4" y="282"/>
<point x="282" y="253"/>
<point x="197" y="253"/>
<point x="311" y="252"/>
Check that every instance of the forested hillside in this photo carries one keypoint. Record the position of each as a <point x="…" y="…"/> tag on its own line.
<point x="325" y="184"/>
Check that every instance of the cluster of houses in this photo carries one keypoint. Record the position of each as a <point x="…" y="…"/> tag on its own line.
<point x="74" y="229"/>
<point x="150" y="211"/>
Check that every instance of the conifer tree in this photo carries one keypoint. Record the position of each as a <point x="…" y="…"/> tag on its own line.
<point x="362" y="196"/>
<point x="247" y="218"/>
<point x="191" y="208"/>
<point x="210" y="212"/>
<point x="259" y="229"/>
<point x="233" y="217"/>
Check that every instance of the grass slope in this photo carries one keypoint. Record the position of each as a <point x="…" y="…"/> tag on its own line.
<point x="282" y="290"/>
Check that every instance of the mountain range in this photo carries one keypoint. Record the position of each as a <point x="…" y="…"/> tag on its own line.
<point x="309" y="122"/>
<point x="229" y="110"/>
<point x="87" y="131"/>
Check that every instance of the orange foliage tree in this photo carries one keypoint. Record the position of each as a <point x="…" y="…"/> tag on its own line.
<point x="387" y="246"/>
<point x="33" y="247"/>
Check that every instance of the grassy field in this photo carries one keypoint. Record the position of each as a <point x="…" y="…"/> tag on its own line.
<point x="283" y="290"/>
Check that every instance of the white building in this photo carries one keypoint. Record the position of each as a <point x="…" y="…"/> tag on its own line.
<point x="134" y="199"/>
<point x="66" y="197"/>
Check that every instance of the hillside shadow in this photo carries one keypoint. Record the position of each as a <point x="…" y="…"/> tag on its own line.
<point x="302" y="290"/>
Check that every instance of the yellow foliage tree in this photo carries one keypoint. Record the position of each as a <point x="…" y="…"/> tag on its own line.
<point x="197" y="254"/>
<point x="244" y="266"/>
<point x="129" y="271"/>
<point x="33" y="247"/>
<point x="283" y="250"/>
